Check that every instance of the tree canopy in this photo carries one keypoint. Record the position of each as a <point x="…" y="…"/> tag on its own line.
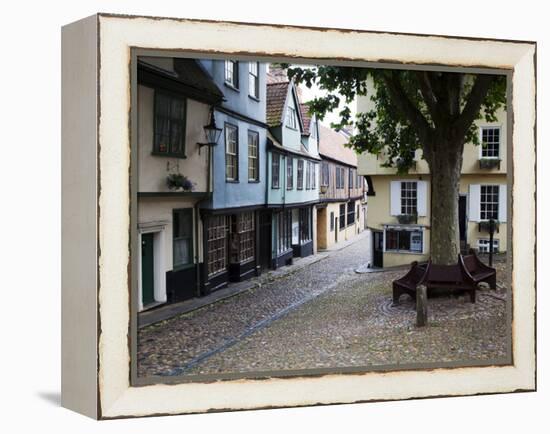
<point x="410" y="109"/>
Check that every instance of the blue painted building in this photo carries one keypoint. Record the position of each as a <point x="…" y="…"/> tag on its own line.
<point x="230" y="218"/>
<point x="292" y="173"/>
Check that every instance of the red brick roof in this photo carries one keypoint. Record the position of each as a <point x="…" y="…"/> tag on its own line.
<point x="276" y="98"/>
<point x="332" y="145"/>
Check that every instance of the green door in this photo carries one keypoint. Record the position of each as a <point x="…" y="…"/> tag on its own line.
<point x="147" y="269"/>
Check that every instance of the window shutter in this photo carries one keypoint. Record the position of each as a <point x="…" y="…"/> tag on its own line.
<point x="422" y="198"/>
<point x="395" y="198"/>
<point x="502" y="202"/>
<point x="474" y="199"/>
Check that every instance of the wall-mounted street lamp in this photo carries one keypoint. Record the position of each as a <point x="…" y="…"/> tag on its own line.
<point x="211" y="131"/>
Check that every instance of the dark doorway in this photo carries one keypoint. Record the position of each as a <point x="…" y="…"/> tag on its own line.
<point x="462" y="221"/>
<point x="378" y="249"/>
<point x="336" y="230"/>
<point x="147" y="269"/>
<point x="265" y="240"/>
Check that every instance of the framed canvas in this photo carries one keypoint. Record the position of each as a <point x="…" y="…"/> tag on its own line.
<point x="216" y="202"/>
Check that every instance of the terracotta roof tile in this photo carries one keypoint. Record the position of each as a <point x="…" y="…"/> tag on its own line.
<point x="276" y="98"/>
<point x="332" y="145"/>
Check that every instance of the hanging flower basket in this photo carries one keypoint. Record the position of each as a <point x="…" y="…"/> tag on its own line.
<point x="177" y="181"/>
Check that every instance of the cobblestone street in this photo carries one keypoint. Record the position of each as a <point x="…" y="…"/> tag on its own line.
<point x="325" y="315"/>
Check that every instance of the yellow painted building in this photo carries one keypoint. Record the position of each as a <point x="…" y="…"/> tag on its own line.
<point x="399" y="206"/>
<point x="341" y="211"/>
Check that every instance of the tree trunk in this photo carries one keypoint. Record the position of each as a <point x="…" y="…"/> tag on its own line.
<point x="445" y="167"/>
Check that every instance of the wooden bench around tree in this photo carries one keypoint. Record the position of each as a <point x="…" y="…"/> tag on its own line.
<point x="477" y="270"/>
<point x="451" y="277"/>
<point x="408" y="283"/>
<point x="456" y="277"/>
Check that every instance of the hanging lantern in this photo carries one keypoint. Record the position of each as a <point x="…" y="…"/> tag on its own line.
<point x="211" y="131"/>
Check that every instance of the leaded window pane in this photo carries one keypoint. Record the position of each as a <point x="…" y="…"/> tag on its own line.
<point x="217" y="244"/>
<point x="290" y="173"/>
<point x="300" y="175"/>
<point x="275" y="170"/>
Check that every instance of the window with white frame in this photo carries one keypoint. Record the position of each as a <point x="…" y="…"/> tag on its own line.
<point x="308" y="175"/>
<point x="409" y="198"/>
<point x="231" y="153"/>
<point x="253" y="79"/>
<point x="490" y="142"/>
<point x="232" y="73"/>
<point x="253" y="166"/>
<point x="313" y="176"/>
<point x="483" y="245"/>
<point x="488" y="204"/>
<point x="404" y="240"/>
<point x="291" y="120"/>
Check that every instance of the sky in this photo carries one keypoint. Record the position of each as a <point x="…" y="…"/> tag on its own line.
<point x="310" y="93"/>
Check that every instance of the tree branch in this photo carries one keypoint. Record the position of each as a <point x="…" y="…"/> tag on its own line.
<point x="473" y="104"/>
<point x="454" y="90"/>
<point x="405" y="106"/>
<point x="428" y="94"/>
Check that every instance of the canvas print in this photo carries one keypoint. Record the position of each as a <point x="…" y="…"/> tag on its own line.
<point x="297" y="218"/>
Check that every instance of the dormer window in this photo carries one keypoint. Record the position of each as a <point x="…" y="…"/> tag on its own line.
<point x="291" y="120"/>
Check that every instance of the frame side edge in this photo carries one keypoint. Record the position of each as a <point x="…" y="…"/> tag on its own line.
<point x="79" y="217"/>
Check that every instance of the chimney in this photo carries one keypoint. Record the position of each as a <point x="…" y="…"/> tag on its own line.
<point x="276" y="74"/>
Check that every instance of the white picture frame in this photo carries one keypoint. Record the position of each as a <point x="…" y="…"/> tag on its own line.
<point x="96" y="276"/>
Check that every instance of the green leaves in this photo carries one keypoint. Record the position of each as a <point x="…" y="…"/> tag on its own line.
<point x="409" y="110"/>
